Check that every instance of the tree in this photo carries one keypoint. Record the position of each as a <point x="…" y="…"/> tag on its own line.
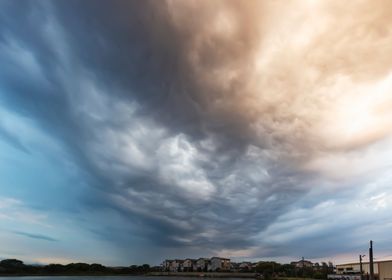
<point x="11" y="263"/>
<point x="54" y="268"/>
<point x="268" y="269"/>
<point x="288" y="270"/>
<point x="146" y="267"/>
<point x="12" y="266"/>
<point x="96" y="267"/>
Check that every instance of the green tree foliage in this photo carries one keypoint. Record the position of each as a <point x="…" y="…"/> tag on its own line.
<point x="268" y="269"/>
<point x="287" y="270"/>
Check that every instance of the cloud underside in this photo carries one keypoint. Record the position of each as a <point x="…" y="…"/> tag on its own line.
<point x="237" y="127"/>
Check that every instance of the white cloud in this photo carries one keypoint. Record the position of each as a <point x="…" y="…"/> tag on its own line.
<point x="15" y="211"/>
<point x="178" y="165"/>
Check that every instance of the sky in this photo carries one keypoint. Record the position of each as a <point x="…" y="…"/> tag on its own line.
<point x="134" y="131"/>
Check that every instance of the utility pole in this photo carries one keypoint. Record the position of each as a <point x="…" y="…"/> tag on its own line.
<point x="360" y="266"/>
<point x="371" y="268"/>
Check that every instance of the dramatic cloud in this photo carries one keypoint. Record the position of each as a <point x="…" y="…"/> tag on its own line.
<point x="249" y="129"/>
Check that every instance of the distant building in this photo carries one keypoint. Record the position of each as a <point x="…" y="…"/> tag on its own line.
<point x="354" y="268"/>
<point x="166" y="265"/>
<point x="177" y="265"/>
<point x="220" y="264"/>
<point x="172" y="265"/>
<point x="302" y="264"/>
<point x="235" y="267"/>
<point x="382" y="269"/>
<point x="189" y="265"/>
<point x="245" y="266"/>
<point x="202" y="264"/>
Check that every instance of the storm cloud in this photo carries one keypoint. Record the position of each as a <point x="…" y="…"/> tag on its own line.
<point x="247" y="129"/>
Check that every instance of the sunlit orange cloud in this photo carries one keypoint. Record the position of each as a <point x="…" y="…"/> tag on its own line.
<point x="315" y="77"/>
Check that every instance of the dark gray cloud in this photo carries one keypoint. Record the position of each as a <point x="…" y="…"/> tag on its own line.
<point x="172" y="125"/>
<point x="35" y="236"/>
<point x="135" y="52"/>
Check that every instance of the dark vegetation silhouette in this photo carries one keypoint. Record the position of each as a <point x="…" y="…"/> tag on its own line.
<point x="17" y="267"/>
<point x="274" y="270"/>
<point x="269" y="270"/>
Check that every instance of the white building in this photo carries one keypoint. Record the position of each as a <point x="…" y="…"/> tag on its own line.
<point x="202" y="264"/>
<point x="189" y="265"/>
<point x="172" y="265"/>
<point x="219" y="264"/>
<point x="166" y="265"/>
<point x="177" y="265"/>
<point x="382" y="269"/>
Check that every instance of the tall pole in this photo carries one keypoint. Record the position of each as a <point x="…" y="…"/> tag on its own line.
<point x="360" y="266"/>
<point x="371" y="268"/>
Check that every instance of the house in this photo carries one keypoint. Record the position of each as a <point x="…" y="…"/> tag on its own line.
<point x="245" y="266"/>
<point x="177" y="265"/>
<point x="189" y="265"/>
<point x="219" y="264"/>
<point x="302" y="264"/>
<point x="172" y="265"/>
<point x="202" y="264"/>
<point x="166" y="264"/>
<point x="234" y="267"/>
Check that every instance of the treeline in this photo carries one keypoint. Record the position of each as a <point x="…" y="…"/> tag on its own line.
<point x="17" y="267"/>
<point x="274" y="270"/>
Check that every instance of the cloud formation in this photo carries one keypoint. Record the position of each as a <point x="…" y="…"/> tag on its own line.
<point x="35" y="236"/>
<point x="201" y="127"/>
